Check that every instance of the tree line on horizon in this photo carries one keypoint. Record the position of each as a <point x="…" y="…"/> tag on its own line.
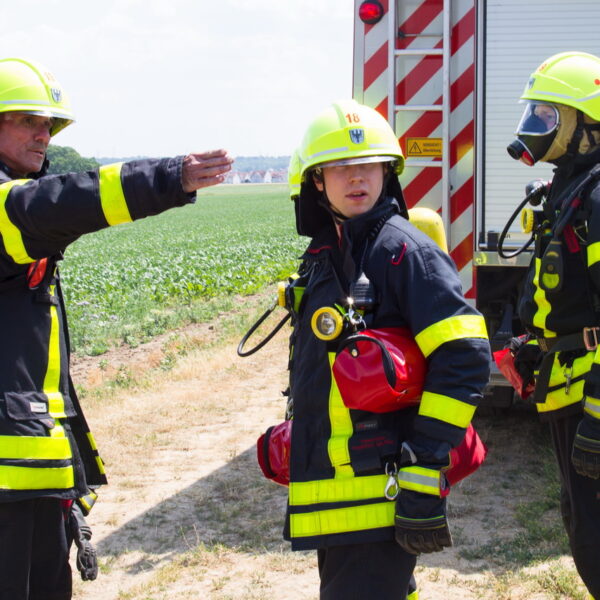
<point x="64" y="159"/>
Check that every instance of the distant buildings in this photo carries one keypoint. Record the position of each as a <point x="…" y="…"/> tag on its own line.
<point x="257" y="176"/>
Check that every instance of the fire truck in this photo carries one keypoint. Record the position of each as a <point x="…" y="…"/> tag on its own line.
<point x="447" y="75"/>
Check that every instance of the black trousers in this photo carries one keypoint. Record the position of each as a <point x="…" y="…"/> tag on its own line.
<point x="580" y="506"/>
<point x="379" y="570"/>
<point x="34" y="551"/>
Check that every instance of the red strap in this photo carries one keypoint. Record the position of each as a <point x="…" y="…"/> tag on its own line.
<point x="36" y="272"/>
<point x="396" y="260"/>
<point x="571" y="239"/>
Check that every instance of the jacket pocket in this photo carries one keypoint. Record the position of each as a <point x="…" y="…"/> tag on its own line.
<point x="24" y="406"/>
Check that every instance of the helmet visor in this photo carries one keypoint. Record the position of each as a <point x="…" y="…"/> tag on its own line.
<point x="359" y="160"/>
<point x="538" y="119"/>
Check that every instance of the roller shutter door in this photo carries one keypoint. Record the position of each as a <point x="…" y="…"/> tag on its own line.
<point x="519" y="35"/>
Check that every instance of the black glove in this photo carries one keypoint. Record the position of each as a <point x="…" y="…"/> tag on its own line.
<point x="585" y="455"/>
<point x="87" y="562"/>
<point x="421" y="524"/>
<point x="527" y="357"/>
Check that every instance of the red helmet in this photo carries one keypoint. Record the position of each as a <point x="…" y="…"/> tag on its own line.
<point x="380" y="370"/>
<point x="273" y="452"/>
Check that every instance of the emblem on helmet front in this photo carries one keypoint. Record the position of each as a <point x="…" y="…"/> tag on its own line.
<point x="357" y="135"/>
<point x="56" y="94"/>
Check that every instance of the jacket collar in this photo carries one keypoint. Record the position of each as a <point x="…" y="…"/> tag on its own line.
<point x="354" y="230"/>
<point x="6" y="173"/>
<point x="370" y="223"/>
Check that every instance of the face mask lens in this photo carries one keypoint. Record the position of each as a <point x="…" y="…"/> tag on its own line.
<point x="538" y="119"/>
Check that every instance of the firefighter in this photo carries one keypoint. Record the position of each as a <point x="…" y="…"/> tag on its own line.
<point x="49" y="463"/>
<point x="560" y="302"/>
<point x="367" y="267"/>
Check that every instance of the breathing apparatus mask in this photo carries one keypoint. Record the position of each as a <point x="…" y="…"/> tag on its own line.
<point x="552" y="133"/>
<point x="536" y="132"/>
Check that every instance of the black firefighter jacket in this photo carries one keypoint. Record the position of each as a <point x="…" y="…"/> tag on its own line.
<point x="338" y="455"/>
<point x="575" y="304"/>
<point x="46" y="448"/>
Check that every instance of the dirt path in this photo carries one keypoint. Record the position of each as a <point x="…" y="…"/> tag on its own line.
<point x="188" y="515"/>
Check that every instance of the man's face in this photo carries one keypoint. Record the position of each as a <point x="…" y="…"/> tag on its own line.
<point x="547" y="113"/>
<point x="24" y="139"/>
<point x="352" y="189"/>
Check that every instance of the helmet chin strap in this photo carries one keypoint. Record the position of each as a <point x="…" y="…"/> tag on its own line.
<point x="573" y="147"/>
<point x="338" y="217"/>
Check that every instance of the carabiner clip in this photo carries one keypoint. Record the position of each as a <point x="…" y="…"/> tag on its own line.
<point x="355" y="319"/>
<point x="392" y="489"/>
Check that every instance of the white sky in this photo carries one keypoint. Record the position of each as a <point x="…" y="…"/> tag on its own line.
<point x="166" y="77"/>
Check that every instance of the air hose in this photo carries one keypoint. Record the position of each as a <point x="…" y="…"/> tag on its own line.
<point x="269" y="337"/>
<point x="534" y="196"/>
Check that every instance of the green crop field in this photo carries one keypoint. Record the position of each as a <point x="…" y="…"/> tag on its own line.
<point x="129" y="282"/>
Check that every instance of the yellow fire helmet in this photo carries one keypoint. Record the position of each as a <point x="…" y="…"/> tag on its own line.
<point x="570" y="78"/>
<point x="26" y="86"/>
<point x="294" y="175"/>
<point x="345" y="133"/>
<point x="562" y="100"/>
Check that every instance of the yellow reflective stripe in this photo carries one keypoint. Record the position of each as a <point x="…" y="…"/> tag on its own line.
<point x="58" y="431"/>
<point x="413" y="595"/>
<point x="30" y="478"/>
<point x="13" y="240"/>
<point x="100" y="464"/>
<point x="92" y="441"/>
<point x="593" y="253"/>
<point x="447" y="409"/>
<point x="341" y="429"/>
<point x="87" y="502"/>
<point x="447" y="330"/>
<point x="34" y="448"/>
<point x="592" y="407"/>
<point x="297" y="293"/>
<point x="56" y="406"/>
<point x="340" y="520"/>
<point x="558" y="399"/>
<point x="420" y="479"/>
<point x="337" y="490"/>
<point x="112" y="197"/>
<point x="539" y="297"/>
<point x="93" y="446"/>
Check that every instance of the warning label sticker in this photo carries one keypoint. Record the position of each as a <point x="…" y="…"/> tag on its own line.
<point x="424" y="147"/>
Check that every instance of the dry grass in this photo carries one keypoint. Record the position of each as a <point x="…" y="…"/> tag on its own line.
<point x="188" y="515"/>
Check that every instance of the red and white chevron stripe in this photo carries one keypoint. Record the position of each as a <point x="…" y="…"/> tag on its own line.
<point x="418" y="80"/>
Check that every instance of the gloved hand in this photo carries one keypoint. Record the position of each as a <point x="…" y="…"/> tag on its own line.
<point x="528" y="357"/>
<point x="421" y="523"/>
<point x="585" y="455"/>
<point x="87" y="561"/>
